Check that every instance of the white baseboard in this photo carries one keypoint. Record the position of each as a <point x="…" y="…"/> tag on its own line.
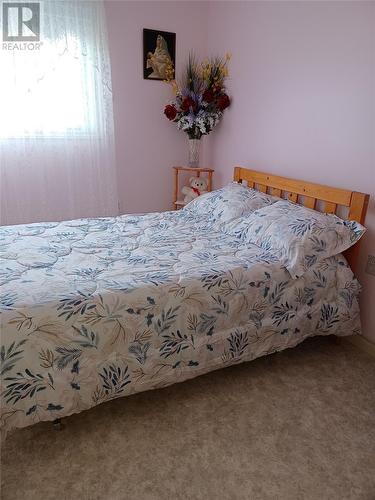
<point x="362" y="343"/>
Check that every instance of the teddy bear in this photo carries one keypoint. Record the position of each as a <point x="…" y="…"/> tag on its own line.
<point x="198" y="186"/>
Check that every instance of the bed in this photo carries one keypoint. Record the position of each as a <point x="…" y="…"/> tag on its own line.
<point x="96" y="309"/>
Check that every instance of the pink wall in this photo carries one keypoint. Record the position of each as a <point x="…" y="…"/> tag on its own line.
<point x="303" y="87"/>
<point x="147" y="145"/>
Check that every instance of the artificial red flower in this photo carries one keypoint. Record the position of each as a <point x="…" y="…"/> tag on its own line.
<point x="223" y="102"/>
<point x="216" y="89"/>
<point x="208" y="95"/>
<point x="187" y="103"/>
<point x="170" y="112"/>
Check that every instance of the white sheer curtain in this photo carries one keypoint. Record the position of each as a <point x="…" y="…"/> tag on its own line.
<point x="56" y="120"/>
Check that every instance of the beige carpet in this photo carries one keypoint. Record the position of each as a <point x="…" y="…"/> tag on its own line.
<point x="295" y="425"/>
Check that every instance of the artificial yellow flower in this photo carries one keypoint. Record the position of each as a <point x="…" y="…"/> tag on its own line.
<point x="175" y="87"/>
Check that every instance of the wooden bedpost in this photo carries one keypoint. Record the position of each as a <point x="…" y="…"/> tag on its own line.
<point x="236" y="174"/>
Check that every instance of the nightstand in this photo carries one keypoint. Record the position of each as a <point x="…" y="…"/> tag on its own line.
<point x="197" y="172"/>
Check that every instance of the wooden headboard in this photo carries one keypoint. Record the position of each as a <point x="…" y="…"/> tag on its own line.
<point x="316" y="196"/>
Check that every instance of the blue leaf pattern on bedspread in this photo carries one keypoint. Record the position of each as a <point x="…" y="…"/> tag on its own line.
<point x="96" y="309"/>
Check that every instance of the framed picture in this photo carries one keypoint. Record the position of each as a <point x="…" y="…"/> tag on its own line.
<point x="159" y="54"/>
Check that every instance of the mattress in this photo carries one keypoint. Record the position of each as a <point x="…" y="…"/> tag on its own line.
<point x="96" y="309"/>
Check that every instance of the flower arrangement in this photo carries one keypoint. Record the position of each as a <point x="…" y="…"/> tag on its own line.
<point x="200" y="101"/>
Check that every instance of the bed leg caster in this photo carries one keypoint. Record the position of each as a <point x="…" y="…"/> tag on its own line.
<point x="57" y="425"/>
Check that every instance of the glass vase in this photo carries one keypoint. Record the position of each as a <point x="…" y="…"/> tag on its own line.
<point x="194" y="146"/>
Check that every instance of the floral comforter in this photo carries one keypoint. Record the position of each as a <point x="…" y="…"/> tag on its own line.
<point x="97" y="309"/>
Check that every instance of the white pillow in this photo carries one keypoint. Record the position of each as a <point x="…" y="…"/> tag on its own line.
<point x="299" y="236"/>
<point x="229" y="202"/>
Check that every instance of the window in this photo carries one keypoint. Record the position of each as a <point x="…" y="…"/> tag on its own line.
<point x="56" y="88"/>
<point x="57" y="156"/>
<point x="42" y="93"/>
